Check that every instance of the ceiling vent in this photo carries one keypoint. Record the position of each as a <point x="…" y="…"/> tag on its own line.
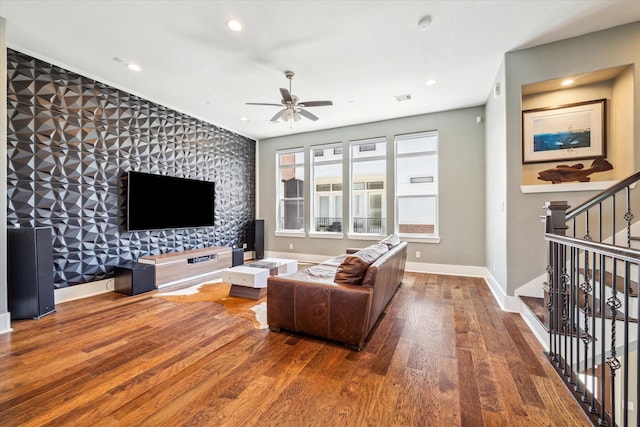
<point x="405" y="97"/>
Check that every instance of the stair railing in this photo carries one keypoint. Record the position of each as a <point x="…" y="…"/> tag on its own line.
<point x="591" y="294"/>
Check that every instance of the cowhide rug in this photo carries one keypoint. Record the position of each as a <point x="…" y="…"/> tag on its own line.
<point x="218" y="292"/>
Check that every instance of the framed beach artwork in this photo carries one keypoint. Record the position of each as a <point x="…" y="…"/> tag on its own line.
<point x="566" y="132"/>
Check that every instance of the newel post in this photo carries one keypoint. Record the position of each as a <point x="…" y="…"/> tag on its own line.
<point x="555" y="223"/>
<point x="556" y="213"/>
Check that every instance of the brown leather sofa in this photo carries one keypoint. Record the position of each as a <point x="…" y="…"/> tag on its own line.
<point x="340" y="299"/>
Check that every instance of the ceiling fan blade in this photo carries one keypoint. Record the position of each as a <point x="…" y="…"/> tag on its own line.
<point x="307" y="114"/>
<point x="314" y="103"/>
<point x="286" y="95"/>
<point x="263" y="103"/>
<point x="278" y="115"/>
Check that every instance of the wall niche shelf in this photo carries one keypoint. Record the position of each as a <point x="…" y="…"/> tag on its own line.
<point x="615" y="86"/>
<point x="567" y="186"/>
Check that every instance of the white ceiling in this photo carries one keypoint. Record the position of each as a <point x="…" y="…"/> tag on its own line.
<point x="359" y="54"/>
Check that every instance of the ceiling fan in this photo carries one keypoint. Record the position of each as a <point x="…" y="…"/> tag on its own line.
<point x="293" y="108"/>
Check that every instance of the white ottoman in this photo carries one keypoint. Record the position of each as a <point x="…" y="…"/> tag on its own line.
<point x="246" y="282"/>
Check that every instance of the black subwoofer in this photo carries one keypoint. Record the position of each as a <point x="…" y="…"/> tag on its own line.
<point x="135" y="278"/>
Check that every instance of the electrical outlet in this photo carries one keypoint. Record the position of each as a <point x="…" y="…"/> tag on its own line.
<point x="290" y="245"/>
<point x="417" y="254"/>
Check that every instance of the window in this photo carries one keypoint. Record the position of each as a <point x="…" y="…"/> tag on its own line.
<point x="327" y="184"/>
<point x="417" y="184"/>
<point x="368" y="188"/>
<point x="290" y="208"/>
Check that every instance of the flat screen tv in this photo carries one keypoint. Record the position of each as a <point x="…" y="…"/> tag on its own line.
<point x="160" y="202"/>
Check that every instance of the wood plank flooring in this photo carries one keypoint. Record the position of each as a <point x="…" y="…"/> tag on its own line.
<point x="443" y="354"/>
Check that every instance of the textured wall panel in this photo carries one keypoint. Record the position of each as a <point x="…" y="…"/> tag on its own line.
<point x="71" y="141"/>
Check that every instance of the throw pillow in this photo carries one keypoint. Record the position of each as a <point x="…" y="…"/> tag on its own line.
<point x="353" y="267"/>
<point x="391" y="240"/>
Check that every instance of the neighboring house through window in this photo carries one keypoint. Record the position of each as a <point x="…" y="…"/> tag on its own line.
<point x="368" y="186"/>
<point x="327" y="188"/>
<point x="290" y="190"/>
<point x="417" y="184"/>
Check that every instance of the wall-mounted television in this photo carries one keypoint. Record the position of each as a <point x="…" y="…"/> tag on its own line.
<point x="161" y="201"/>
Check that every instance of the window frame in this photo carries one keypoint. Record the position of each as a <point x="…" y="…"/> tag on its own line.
<point x="365" y="192"/>
<point x="320" y="160"/>
<point x="415" y="237"/>
<point x="280" y="199"/>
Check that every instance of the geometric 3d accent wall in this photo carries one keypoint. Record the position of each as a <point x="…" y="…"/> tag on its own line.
<point x="71" y="141"/>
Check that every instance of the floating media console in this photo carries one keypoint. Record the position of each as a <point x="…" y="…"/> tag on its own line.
<point x="192" y="265"/>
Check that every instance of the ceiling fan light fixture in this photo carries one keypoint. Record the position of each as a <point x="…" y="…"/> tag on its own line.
<point x="424" y="23"/>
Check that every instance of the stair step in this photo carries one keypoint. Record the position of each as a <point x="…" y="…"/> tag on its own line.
<point x="608" y="281"/>
<point x="537" y="307"/>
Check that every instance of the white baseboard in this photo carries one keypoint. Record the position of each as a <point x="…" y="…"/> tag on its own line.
<point x="448" y="269"/>
<point x="84" y="290"/>
<point x="5" y="323"/>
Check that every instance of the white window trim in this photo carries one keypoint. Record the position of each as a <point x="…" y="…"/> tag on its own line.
<point x="331" y="193"/>
<point x="435" y="238"/>
<point x="289" y="233"/>
<point x="326" y="235"/>
<point x="375" y="140"/>
<point x="286" y="232"/>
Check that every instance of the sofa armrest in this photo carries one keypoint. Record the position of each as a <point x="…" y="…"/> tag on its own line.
<point x="327" y="310"/>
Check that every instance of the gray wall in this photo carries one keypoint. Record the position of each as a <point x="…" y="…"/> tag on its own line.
<point x="496" y="168"/>
<point x="461" y="174"/>
<point x="596" y="51"/>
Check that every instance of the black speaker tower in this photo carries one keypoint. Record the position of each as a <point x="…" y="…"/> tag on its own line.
<point x="30" y="272"/>
<point x="256" y="238"/>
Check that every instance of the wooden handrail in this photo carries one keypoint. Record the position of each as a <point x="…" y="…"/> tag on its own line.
<point x="588" y="204"/>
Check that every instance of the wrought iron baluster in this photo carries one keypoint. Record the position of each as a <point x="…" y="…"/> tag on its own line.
<point x="566" y="328"/>
<point x="594" y="284"/>
<point x="586" y="288"/>
<point x="614" y="303"/>
<point x="572" y="307"/>
<point x="628" y="216"/>
<point x="603" y="348"/>
<point x="625" y="374"/>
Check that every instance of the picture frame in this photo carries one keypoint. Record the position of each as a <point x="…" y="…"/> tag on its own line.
<point x="566" y="132"/>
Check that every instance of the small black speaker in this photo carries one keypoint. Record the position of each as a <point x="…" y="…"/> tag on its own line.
<point x="238" y="257"/>
<point x="258" y="239"/>
<point x="135" y="278"/>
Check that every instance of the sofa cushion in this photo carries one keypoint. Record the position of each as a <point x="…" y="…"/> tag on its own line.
<point x="391" y="240"/>
<point x="353" y="267"/>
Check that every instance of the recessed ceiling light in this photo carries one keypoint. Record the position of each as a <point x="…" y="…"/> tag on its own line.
<point x="431" y="82"/>
<point x="244" y="119"/>
<point x="234" y="25"/>
<point x="567" y="82"/>
<point x="134" y="67"/>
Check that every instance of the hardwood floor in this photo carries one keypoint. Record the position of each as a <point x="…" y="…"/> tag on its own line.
<point x="444" y="354"/>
